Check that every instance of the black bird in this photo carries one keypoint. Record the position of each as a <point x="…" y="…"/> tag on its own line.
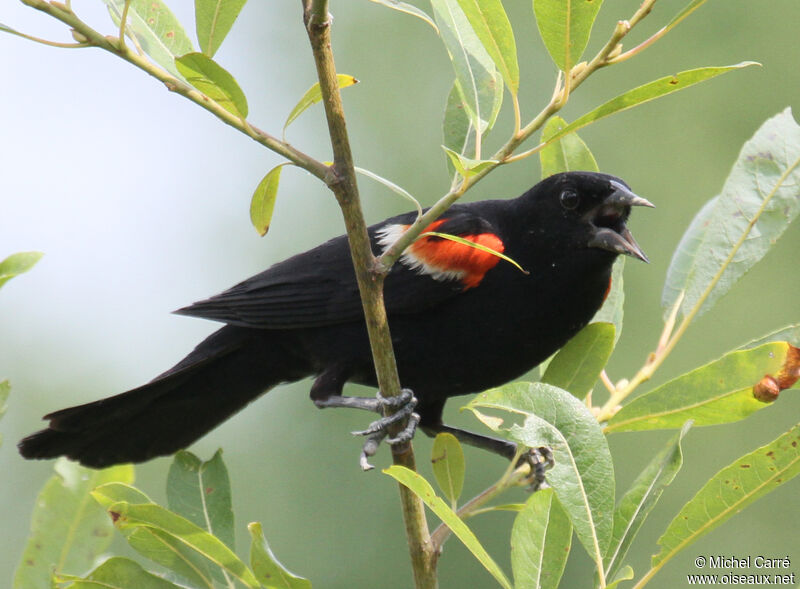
<point x="462" y="320"/>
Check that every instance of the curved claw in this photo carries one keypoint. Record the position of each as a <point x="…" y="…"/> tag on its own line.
<point x="403" y="406"/>
<point x="540" y="461"/>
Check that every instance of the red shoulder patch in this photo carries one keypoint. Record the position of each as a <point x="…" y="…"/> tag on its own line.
<point x="443" y="258"/>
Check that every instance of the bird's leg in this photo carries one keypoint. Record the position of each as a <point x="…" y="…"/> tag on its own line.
<point x="540" y="459"/>
<point x="401" y="407"/>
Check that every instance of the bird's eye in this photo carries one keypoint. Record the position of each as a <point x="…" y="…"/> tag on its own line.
<point x="569" y="200"/>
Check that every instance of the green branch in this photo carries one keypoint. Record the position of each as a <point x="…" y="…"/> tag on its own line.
<point x="112" y="45"/>
<point x="505" y="154"/>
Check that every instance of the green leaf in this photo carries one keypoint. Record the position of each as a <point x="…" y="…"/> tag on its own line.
<point x="687" y="10"/>
<point x="612" y="309"/>
<point x="477" y="79"/>
<point x="16" y="264"/>
<point x="69" y="531"/>
<point x="638" y="501"/>
<point x="583" y="474"/>
<point x="214" y="81"/>
<point x="719" y="392"/>
<point x="268" y="570"/>
<point x="731" y="490"/>
<point x="625" y="574"/>
<point x="565" y="26"/>
<point x="648" y="92"/>
<point x="790" y="333"/>
<point x="262" y="204"/>
<point x="391" y="186"/>
<point x="474" y="245"/>
<point x="154" y="28"/>
<point x="201" y="492"/>
<point x="540" y="542"/>
<point x="213" y="21"/>
<point x="408" y="9"/>
<point x="467" y="166"/>
<point x="684" y="256"/>
<point x="490" y="23"/>
<point x="576" y="366"/>
<point x="422" y="488"/>
<point x="447" y="459"/>
<point x="158" y="546"/>
<point x="758" y="202"/>
<point x="567" y="154"/>
<point x="313" y="95"/>
<point x="155" y="525"/>
<point x="120" y="573"/>
<point x="458" y="133"/>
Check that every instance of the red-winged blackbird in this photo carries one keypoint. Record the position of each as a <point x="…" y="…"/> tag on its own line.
<point x="461" y="320"/>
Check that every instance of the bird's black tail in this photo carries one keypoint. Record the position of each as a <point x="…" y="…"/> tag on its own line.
<point x="224" y="373"/>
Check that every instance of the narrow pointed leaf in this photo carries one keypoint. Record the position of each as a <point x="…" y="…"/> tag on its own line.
<point x="567" y="154"/>
<point x="214" y="81"/>
<point x="266" y="567"/>
<point x="121" y="573"/>
<point x="565" y="27"/>
<point x="490" y="23"/>
<point x="201" y="492"/>
<point x="722" y="391"/>
<point x="158" y="546"/>
<point x="476" y="246"/>
<point x="467" y="166"/>
<point x="759" y="200"/>
<point x="16" y="264"/>
<point x="447" y="459"/>
<point x="457" y="130"/>
<point x="313" y="95"/>
<point x="638" y="501"/>
<point x="391" y="186"/>
<point x="576" y="366"/>
<point x="408" y="9"/>
<point x="262" y="204"/>
<point x="477" y="78"/>
<point x="213" y="21"/>
<point x="731" y="490"/>
<point x="625" y="574"/>
<point x="790" y="333"/>
<point x="612" y="310"/>
<point x="583" y="475"/>
<point x="155" y="29"/>
<point x="69" y="531"/>
<point x="540" y="542"/>
<point x="683" y="259"/>
<point x="173" y="531"/>
<point x="687" y="10"/>
<point x="648" y="92"/>
<point x="422" y="488"/>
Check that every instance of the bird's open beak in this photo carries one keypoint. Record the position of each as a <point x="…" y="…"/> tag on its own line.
<point x="609" y="230"/>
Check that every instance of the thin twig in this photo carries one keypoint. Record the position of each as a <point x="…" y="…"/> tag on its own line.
<point x="110" y="44"/>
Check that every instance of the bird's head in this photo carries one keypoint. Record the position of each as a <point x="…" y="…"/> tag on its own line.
<point x="585" y="210"/>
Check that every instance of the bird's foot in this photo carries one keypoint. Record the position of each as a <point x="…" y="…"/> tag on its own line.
<point x="403" y="406"/>
<point x="540" y="461"/>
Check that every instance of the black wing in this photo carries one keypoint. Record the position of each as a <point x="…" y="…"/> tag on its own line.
<point x="318" y="287"/>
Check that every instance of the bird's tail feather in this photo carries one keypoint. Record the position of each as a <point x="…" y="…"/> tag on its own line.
<point x="224" y="373"/>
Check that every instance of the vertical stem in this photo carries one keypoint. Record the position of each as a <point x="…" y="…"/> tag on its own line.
<point x="370" y="282"/>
